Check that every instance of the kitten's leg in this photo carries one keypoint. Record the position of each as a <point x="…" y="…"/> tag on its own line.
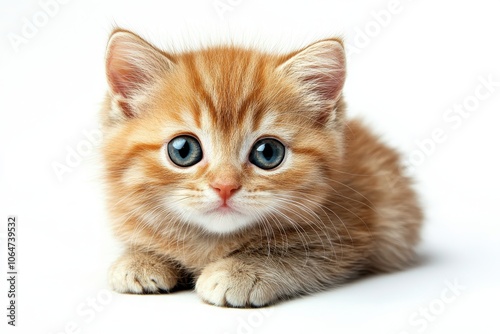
<point x="141" y="272"/>
<point x="245" y="280"/>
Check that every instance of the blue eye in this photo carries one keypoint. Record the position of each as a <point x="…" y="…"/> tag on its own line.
<point x="267" y="153"/>
<point x="184" y="151"/>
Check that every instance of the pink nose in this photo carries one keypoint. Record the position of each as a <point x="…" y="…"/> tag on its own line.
<point x="225" y="190"/>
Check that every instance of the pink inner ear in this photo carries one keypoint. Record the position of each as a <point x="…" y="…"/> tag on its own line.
<point x="124" y="76"/>
<point x="328" y="84"/>
<point x="131" y="66"/>
<point x="321" y="66"/>
<point x="326" y="75"/>
<point x="330" y="79"/>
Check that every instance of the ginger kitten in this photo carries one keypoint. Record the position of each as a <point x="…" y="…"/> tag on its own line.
<point x="238" y="169"/>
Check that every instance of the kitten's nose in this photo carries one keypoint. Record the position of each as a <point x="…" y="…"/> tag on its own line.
<point x="225" y="189"/>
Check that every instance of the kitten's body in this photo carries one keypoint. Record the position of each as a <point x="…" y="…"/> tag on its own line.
<point x="335" y="207"/>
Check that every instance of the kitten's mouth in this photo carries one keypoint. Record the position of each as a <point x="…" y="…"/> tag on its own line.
<point x="224" y="209"/>
<point x="222" y="219"/>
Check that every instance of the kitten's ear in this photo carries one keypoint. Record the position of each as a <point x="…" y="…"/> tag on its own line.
<point x="321" y="69"/>
<point x="132" y="66"/>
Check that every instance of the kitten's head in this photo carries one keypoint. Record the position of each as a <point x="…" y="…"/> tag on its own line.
<point x="223" y="138"/>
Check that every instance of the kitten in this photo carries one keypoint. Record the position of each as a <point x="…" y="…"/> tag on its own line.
<point x="238" y="169"/>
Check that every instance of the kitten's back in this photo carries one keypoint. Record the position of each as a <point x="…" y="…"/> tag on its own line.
<point x="374" y="169"/>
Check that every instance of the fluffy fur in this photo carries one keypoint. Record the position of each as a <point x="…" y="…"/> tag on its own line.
<point x="336" y="207"/>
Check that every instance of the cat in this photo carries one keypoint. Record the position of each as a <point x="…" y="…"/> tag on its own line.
<point x="237" y="170"/>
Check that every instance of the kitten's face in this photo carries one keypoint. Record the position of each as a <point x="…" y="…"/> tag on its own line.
<point x="224" y="138"/>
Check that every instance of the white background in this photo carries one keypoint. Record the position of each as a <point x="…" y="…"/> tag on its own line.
<point x="403" y="76"/>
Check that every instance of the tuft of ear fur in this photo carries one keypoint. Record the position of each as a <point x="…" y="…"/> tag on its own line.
<point x="320" y="69"/>
<point x="132" y="67"/>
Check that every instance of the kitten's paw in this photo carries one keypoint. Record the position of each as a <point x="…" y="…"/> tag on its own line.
<point x="230" y="282"/>
<point x="141" y="273"/>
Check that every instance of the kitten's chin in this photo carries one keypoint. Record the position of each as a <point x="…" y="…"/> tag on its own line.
<point x="223" y="220"/>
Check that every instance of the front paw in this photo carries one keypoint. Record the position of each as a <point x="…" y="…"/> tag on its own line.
<point x="231" y="282"/>
<point x="137" y="272"/>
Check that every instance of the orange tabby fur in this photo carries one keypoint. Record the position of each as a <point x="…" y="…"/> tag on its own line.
<point x="340" y="204"/>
